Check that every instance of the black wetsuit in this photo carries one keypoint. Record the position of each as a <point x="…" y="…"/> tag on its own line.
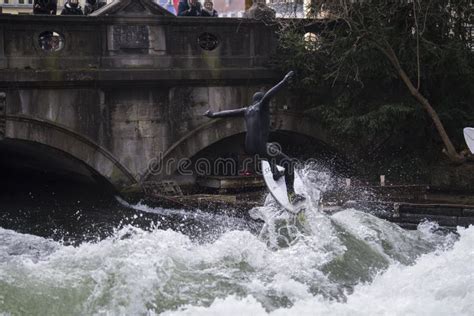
<point x="257" y="122"/>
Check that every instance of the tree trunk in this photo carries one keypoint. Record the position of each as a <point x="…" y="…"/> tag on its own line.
<point x="450" y="150"/>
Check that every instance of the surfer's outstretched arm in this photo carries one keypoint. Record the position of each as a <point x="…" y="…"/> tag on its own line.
<point x="227" y="113"/>
<point x="270" y="93"/>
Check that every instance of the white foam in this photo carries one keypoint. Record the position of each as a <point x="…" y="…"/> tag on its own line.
<point x="437" y="284"/>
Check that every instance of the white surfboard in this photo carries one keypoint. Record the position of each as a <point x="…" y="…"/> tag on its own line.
<point x="469" y="137"/>
<point x="278" y="189"/>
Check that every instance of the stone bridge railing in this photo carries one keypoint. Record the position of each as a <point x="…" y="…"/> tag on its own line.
<point x="66" y="50"/>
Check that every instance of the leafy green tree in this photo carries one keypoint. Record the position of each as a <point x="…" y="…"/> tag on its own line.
<point x="370" y="59"/>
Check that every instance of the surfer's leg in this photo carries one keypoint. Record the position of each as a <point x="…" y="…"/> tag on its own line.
<point x="276" y="157"/>
<point x="287" y="163"/>
<point x="269" y="154"/>
<point x="279" y="158"/>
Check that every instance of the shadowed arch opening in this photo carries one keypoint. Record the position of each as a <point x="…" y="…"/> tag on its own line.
<point x="287" y="126"/>
<point x="21" y="127"/>
<point x="32" y="171"/>
<point x="227" y="157"/>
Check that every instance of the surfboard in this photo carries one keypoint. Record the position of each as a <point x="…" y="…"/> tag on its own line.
<point x="469" y="137"/>
<point x="278" y="188"/>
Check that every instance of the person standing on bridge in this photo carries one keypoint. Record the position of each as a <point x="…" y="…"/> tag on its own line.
<point x="93" y="5"/>
<point x="209" y="9"/>
<point x="257" y="122"/>
<point x="45" y="7"/>
<point x="72" y="7"/>
<point x="189" y="8"/>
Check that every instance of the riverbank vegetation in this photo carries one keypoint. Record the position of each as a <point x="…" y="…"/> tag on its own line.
<point x="393" y="81"/>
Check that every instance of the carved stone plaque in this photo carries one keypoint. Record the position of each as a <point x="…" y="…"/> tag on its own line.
<point x="207" y="41"/>
<point x="131" y="37"/>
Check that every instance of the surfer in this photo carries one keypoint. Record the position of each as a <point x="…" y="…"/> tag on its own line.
<point x="257" y="122"/>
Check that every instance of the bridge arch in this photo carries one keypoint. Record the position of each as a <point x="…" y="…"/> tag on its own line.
<point x="215" y="130"/>
<point x="30" y="129"/>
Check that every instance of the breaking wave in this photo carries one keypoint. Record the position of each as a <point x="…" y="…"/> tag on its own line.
<point x="349" y="262"/>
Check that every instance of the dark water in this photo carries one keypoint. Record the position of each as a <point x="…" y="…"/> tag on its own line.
<point x="88" y="217"/>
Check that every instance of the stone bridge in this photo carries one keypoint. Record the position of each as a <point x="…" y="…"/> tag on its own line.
<point x="112" y="92"/>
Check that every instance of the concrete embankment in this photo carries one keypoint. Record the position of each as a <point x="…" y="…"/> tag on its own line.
<point x="409" y="215"/>
<point x="406" y="214"/>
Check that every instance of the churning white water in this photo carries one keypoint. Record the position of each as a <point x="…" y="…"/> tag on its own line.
<point x="346" y="263"/>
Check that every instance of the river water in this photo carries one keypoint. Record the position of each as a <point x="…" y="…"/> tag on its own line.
<point x="347" y="263"/>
